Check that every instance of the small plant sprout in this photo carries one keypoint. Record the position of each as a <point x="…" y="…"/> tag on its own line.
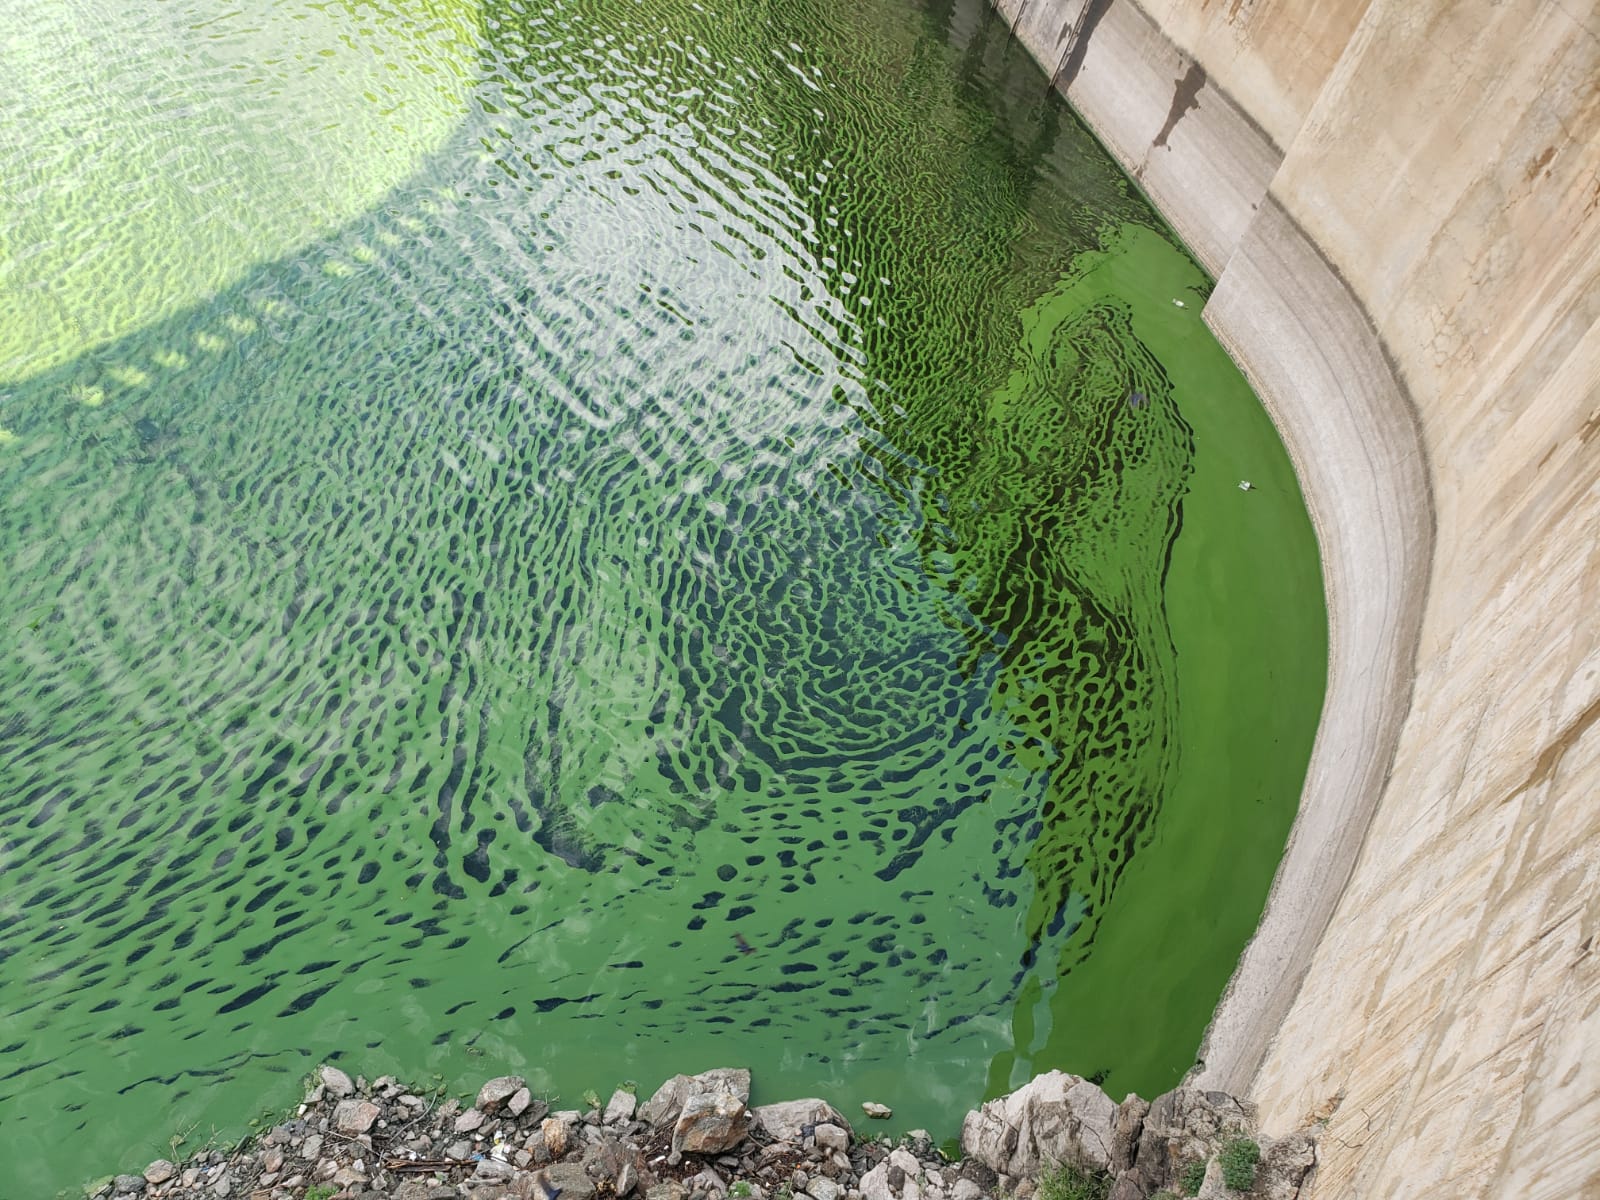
<point x="1239" y="1158"/>
<point x="1066" y="1182"/>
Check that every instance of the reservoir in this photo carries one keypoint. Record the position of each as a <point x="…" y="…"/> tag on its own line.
<point x="610" y="538"/>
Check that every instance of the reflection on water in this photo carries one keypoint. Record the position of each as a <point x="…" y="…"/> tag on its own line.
<point x="719" y="498"/>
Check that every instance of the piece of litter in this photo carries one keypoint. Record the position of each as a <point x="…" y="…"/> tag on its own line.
<point x="1180" y="303"/>
<point x="1246" y="486"/>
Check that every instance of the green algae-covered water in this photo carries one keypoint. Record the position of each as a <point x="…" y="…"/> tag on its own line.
<point x="606" y="538"/>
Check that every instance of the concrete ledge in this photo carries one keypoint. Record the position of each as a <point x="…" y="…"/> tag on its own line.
<point x="1312" y="356"/>
<point x="1195" y="152"/>
<point x="1308" y="347"/>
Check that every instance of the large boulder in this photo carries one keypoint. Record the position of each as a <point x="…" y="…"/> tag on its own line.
<point x="711" y="1123"/>
<point x="355" y="1116"/>
<point x="663" y="1107"/>
<point x="1184" y="1126"/>
<point x="1285" y="1163"/>
<point x="1055" y="1118"/>
<point x="898" y="1177"/>
<point x="787" y="1121"/>
<point x="1126" y="1130"/>
<point x="497" y="1092"/>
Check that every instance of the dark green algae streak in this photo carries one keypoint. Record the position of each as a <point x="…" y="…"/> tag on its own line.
<point x="753" y="479"/>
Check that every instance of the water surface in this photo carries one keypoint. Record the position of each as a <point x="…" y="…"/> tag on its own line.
<point x="601" y="539"/>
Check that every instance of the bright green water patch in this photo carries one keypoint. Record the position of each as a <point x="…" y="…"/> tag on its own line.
<point x="154" y="152"/>
<point x="736" y="558"/>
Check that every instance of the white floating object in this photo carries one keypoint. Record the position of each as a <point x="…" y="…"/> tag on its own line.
<point x="1246" y="486"/>
<point x="1180" y="304"/>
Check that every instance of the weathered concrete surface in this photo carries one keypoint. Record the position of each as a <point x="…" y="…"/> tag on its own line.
<point x="1401" y="201"/>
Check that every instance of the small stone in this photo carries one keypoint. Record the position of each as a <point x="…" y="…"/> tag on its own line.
<point x="468" y="1121"/>
<point x="876" y="1111"/>
<point x="458" y="1150"/>
<point x="823" y="1188"/>
<point x="518" y="1104"/>
<point x="159" y="1171"/>
<point x="494" y="1169"/>
<point x="494" y="1094"/>
<point x="272" y="1160"/>
<point x="336" y="1081"/>
<point x="627" y="1179"/>
<point x="125" y="1185"/>
<point x="312" y="1149"/>
<point x="222" y="1187"/>
<point x="355" y="1116"/>
<point x="965" y="1189"/>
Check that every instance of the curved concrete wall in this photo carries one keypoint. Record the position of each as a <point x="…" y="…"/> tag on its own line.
<point x="1401" y="202"/>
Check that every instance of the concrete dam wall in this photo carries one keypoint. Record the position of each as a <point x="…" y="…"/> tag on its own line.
<point x="1400" y="200"/>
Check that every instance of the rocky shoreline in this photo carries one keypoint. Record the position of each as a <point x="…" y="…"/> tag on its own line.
<point x="697" y="1138"/>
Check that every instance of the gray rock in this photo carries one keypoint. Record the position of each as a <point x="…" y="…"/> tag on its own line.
<point x="494" y="1094"/>
<point x="572" y="1179"/>
<point x="1285" y="1163"/>
<point x="127" y="1185"/>
<point x="493" y="1169"/>
<point x="627" y="1179"/>
<point x="785" y="1121"/>
<point x="875" y="1183"/>
<point x="621" y="1107"/>
<point x="468" y="1121"/>
<point x="1126" y="1129"/>
<point x="1183" y="1126"/>
<point x="965" y="1189"/>
<point x="876" y="1111"/>
<point x="310" y="1150"/>
<point x="336" y="1081"/>
<point x="159" y="1171"/>
<point x="671" y="1189"/>
<point x="832" y="1137"/>
<point x="355" y="1116"/>
<point x="823" y="1188"/>
<point x="520" y="1101"/>
<point x="1055" y="1118"/>
<point x="710" y="1123"/>
<point x="664" y="1107"/>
